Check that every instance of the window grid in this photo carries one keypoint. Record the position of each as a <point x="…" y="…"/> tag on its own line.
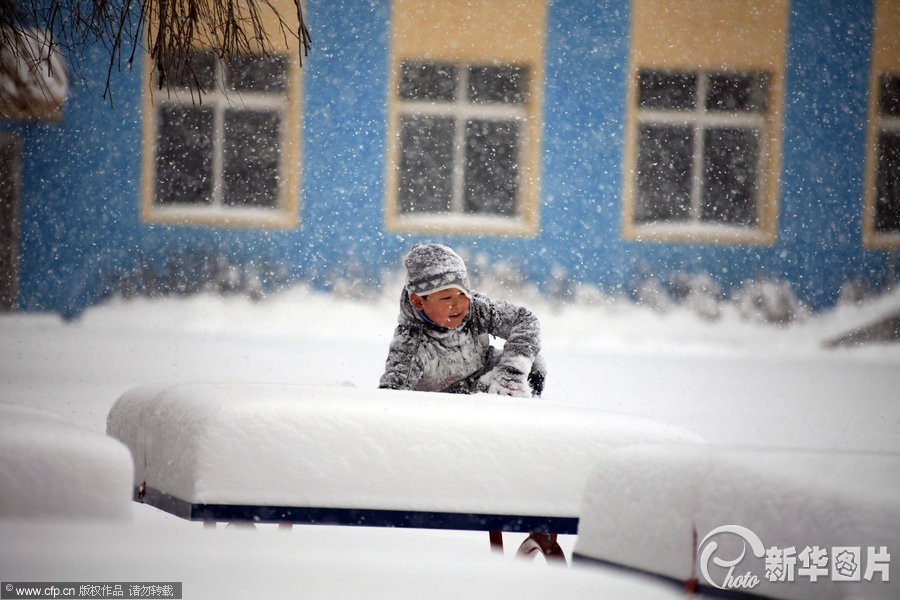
<point x="462" y="110"/>
<point x="700" y="119"/>
<point x="887" y="125"/>
<point x="255" y="103"/>
<point x="220" y="101"/>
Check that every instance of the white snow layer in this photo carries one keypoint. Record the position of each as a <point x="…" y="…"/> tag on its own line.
<point x="343" y="447"/>
<point x="732" y="381"/>
<point x="51" y="468"/>
<point x="324" y="563"/>
<point x="643" y="505"/>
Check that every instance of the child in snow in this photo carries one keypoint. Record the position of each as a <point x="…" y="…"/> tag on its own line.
<point x="442" y="341"/>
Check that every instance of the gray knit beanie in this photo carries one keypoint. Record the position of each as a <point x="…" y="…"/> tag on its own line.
<point x="431" y="268"/>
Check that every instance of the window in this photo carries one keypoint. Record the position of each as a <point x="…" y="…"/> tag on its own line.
<point x="887" y="172"/>
<point x="10" y="184"/>
<point x="460" y="137"/>
<point x="699" y="145"/>
<point x="881" y="226"/>
<point x="218" y="152"/>
<point x="226" y="153"/>
<point x="703" y="134"/>
<point x="464" y="129"/>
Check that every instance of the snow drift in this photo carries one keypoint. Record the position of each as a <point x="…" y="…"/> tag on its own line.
<point x="317" y="563"/>
<point x="648" y="507"/>
<point x="51" y="468"/>
<point x="342" y="447"/>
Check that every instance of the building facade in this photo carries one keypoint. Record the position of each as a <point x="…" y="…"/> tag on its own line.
<point x="594" y="141"/>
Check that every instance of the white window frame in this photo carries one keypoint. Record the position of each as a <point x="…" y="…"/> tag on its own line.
<point x="885" y="61"/>
<point x="699" y="120"/>
<point x="882" y="124"/>
<point x="284" y="212"/>
<point x="462" y="110"/>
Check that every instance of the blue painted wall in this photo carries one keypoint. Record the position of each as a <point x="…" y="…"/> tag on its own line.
<point x="81" y="179"/>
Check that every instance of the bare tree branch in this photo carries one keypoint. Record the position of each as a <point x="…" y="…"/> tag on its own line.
<point x="33" y="31"/>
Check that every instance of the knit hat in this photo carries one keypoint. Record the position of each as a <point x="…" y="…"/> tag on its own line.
<point x="431" y="268"/>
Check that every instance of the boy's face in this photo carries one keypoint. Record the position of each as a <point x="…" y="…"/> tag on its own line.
<point x="447" y="308"/>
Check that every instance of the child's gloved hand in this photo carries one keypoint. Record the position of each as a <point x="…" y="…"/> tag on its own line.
<point x="509" y="381"/>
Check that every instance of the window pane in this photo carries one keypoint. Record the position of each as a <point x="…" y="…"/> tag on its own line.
<point x="889" y="99"/>
<point x="426" y="164"/>
<point x="737" y="92"/>
<point x="491" y="167"/>
<point x="199" y="73"/>
<point x="730" y="176"/>
<point x="498" y="84"/>
<point x="667" y="90"/>
<point x="428" y="81"/>
<point x="184" y="148"/>
<point x="665" y="156"/>
<point x="258" y="74"/>
<point x="887" y="186"/>
<point x="251" y="156"/>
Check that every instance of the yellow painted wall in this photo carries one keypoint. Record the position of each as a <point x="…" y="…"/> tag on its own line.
<point x="508" y="31"/>
<point x="709" y="34"/>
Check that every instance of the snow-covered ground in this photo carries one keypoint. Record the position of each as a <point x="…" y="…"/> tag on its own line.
<point x="731" y="381"/>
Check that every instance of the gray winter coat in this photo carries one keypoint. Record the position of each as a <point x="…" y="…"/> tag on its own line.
<point x="424" y="356"/>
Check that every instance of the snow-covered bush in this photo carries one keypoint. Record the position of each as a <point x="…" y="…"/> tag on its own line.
<point x="766" y="300"/>
<point x="560" y="287"/>
<point x="501" y="279"/>
<point x="590" y="295"/>
<point x="699" y="294"/>
<point x="191" y="271"/>
<point x="853" y="292"/>
<point x="354" y="281"/>
<point x="653" y="294"/>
